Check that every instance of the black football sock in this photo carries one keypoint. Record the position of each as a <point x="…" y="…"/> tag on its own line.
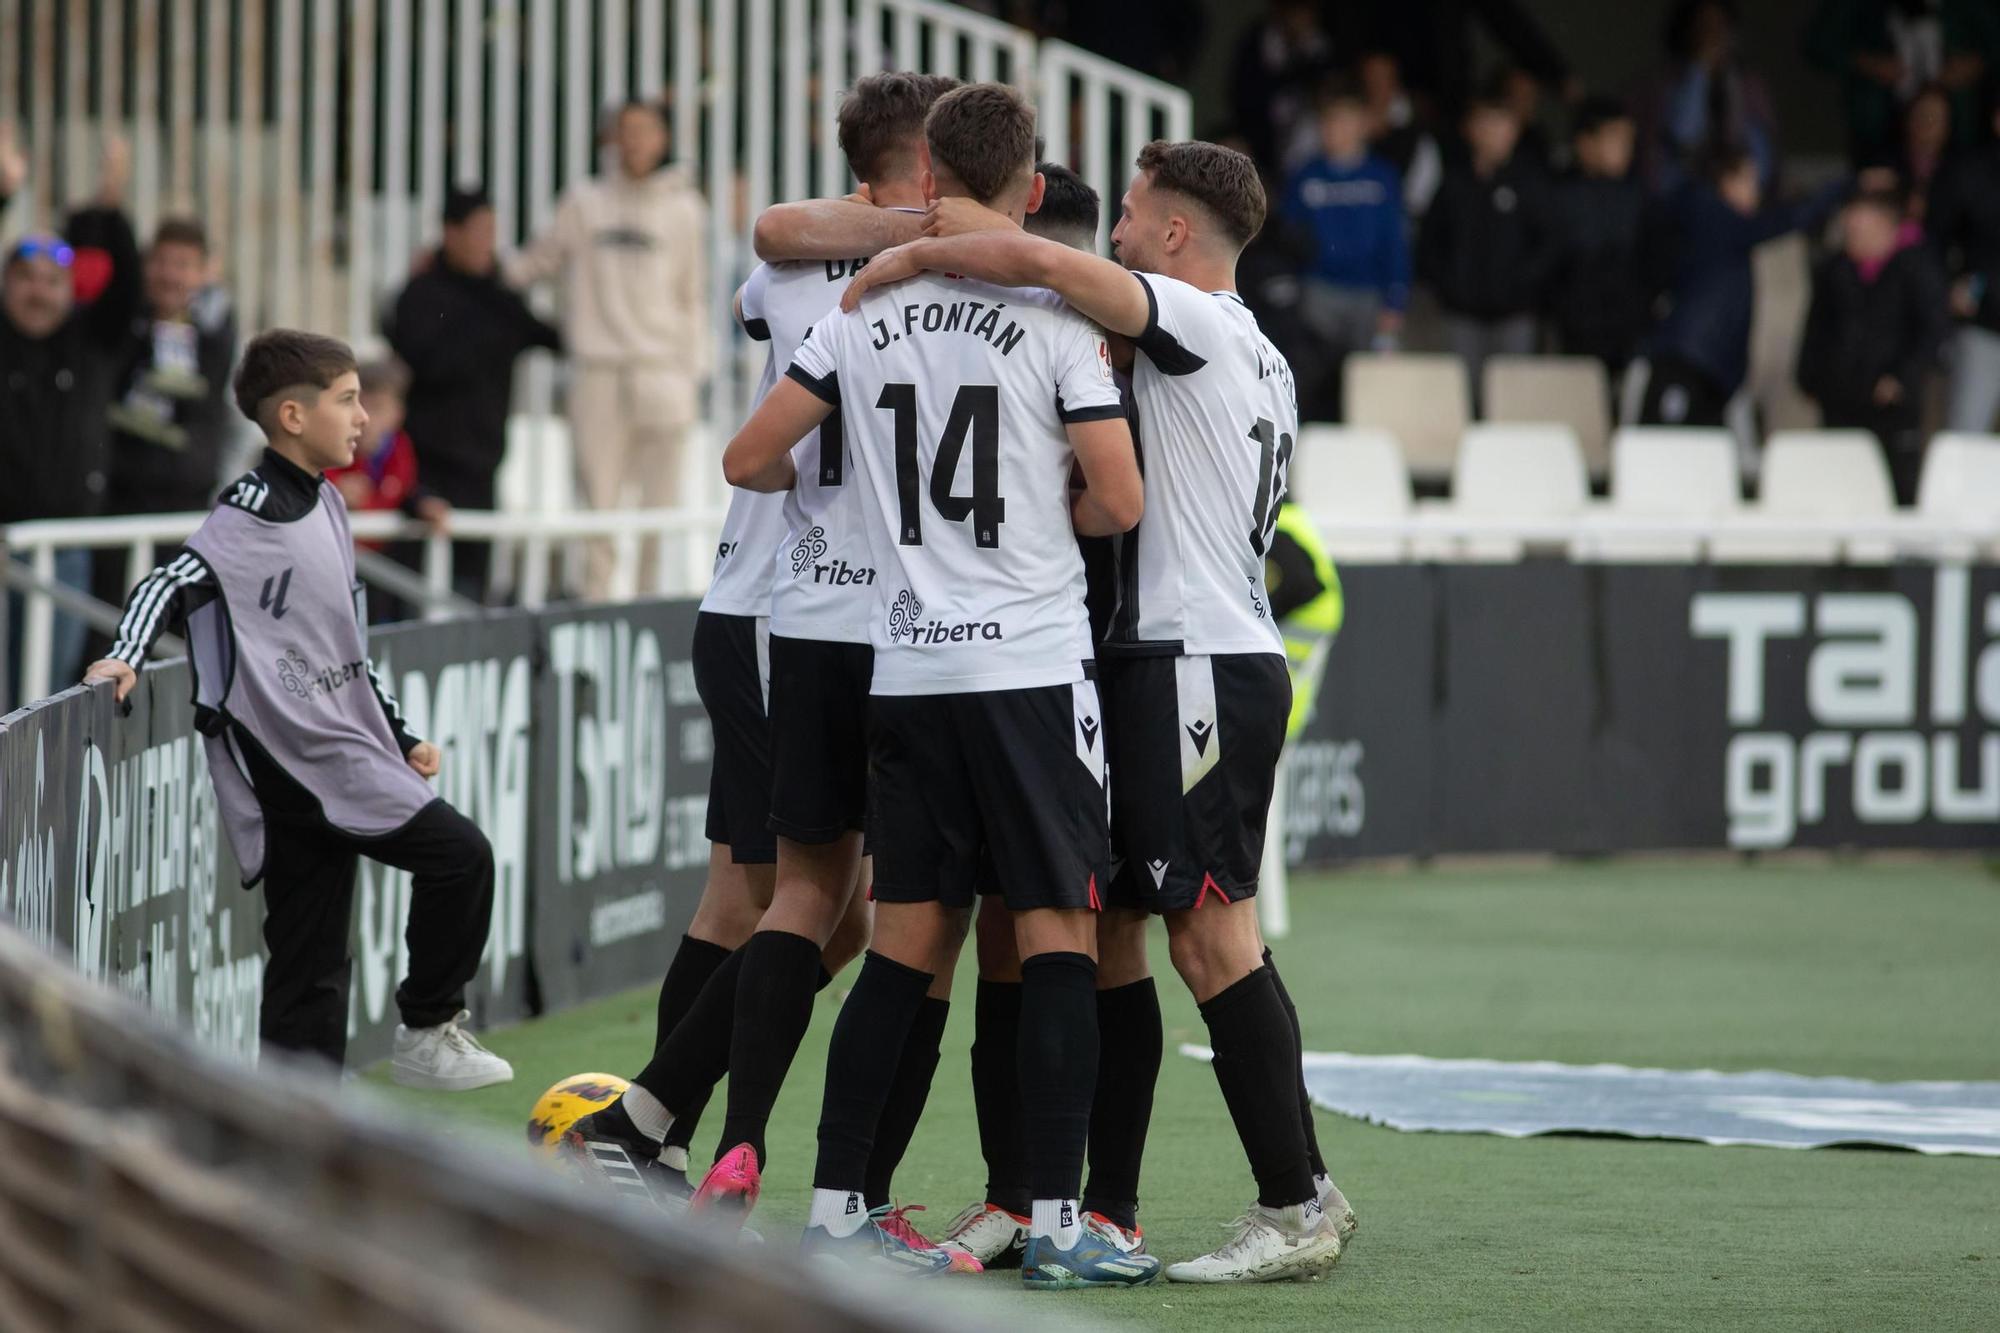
<point x="1058" y="1069"/>
<point x="1256" y="1062"/>
<point x="694" y="963"/>
<point x="996" y="1093"/>
<point x="686" y="1066"/>
<point x="1298" y="1039"/>
<point x="1128" y="1065"/>
<point x="861" y="1063"/>
<point x="774" y="1000"/>
<point x="907" y="1096"/>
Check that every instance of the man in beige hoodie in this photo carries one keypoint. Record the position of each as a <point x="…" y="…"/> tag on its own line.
<point x="631" y="248"/>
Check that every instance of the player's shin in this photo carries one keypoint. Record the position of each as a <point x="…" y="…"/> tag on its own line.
<point x="1256" y="1064"/>
<point x="1058" y="1072"/>
<point x="862" y="1061"/>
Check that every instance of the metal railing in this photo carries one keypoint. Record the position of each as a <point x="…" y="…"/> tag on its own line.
<point x="148" y="1184"/>
<point x="541" y="549"/>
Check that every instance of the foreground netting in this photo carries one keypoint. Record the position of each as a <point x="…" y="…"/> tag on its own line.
<point x="147" y="1185"/>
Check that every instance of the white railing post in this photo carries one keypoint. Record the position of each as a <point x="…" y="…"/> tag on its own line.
<point x="38" y="634"/>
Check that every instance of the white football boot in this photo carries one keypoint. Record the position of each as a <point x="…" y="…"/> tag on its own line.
<point x="446" y="1058"/>
<point x="1339" y="1212"/>
<point x="992" y="1235"/>
<point x="1266" y="1249"/>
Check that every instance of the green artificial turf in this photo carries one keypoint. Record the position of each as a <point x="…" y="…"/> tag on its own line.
<point x="1877" y="971"/>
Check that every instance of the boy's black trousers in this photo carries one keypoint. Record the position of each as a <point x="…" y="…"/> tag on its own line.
<point x="309" y="908"/>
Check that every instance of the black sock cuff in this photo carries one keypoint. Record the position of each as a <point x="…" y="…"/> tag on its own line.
<point x="1135" y="998"/>
<point x="1245" y="991"/>
<point x="931" y="1016"/>
<point x="1069" y="971"/>
<point x="713" y="952"/>
<point x="894" y="973"/>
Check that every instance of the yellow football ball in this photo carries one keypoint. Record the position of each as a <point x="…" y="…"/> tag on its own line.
<point x="569" y="1101"/>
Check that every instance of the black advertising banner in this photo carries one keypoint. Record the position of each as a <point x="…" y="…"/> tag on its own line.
<point x="468" y="686"/>
<point x="622" y="797"/>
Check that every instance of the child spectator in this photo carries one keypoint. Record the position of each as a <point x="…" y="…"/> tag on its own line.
<point x="1350" y="202"/>
<point x="1486" y="245"/>
<point x="1601" y="292"/>
<point x="1873" y="332"/>
<point x="1700" y="354"/>
<point x="384" y="475"/>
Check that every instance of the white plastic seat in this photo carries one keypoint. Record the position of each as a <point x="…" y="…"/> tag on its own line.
<point x="1526" y="472"/>
<point x="1815" y="474"/>
<point x="1961" y="485"/>
<point x="1418" y="397"/>
<point x="1664" y="472"/>
<point x="1341" y="473"/>
<point x="1572" y="390"/>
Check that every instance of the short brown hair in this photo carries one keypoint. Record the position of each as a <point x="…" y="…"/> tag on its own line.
<point x="1222" y="180"/>
<point x="984" y="135"/>
<point x="280" y="362"/>
<point x="882" y="117"/>
<point x="181" y="231"/>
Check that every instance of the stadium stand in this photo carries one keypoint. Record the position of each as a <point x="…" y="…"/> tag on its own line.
<point x="1573" y="390"/>
<point x="1418" y="397"/>
<point x="1660" y="472"/>
<point x="1344" y="473"/>
<point x="1518" y="471"/>
<point x="1827" y="474"/>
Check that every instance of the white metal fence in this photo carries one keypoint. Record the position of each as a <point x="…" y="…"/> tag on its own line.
<point x="317" y="138"/>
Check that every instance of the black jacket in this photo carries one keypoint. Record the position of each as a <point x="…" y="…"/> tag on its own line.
<point x="1857" y="332"/>
<point x="1605" y="274"/>
<point x="171" y="427"/>
<point x="1486" y="245"/>
<point x="459" y="333"/>
<point x="54" y="391"/>
<point x="1964" y="220"/>
<point x="1713" y="291"/>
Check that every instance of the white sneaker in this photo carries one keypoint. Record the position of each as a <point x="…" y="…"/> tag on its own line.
<point x="993" y="1236"/>
<point x="1263" y="1250"/>
<point x="1339" y="1212"/>
<point x="446" y="1058"/>
<point x="1117" y="1237"/>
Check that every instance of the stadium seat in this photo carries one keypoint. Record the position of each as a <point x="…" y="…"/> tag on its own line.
<point x="1572" y="390"/>
<point x="1663" y="472"/>
<point x="1341" y="473"/>
<point x="1526" y="472"/>
<point x="1418" y="397"/>
<point x="1961" y="484"/>
<point x="1815" y="474"/>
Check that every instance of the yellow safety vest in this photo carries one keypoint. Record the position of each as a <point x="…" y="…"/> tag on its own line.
<point x="1311" y="624"/>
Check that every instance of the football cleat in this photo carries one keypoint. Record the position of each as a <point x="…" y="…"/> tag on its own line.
<point x="1339" y="1212"/>
<point x="1093" y="1261"/>
<point x="989" y="1234"/>
<point x="1264" y="1250"/>
<point x="897" y="1223"/>
<point x="876" y="1248"/>
<point x="604" y="1148"/>
<point x="730" y="1189"/>
<point x="1132" y="1241"/>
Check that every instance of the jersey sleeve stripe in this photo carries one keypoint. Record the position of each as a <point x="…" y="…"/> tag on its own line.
<point x="1076" y="415"/>
<point x="1164" y="350"/>
<point x="758" y="329"/>
<point x="827" y="389"/>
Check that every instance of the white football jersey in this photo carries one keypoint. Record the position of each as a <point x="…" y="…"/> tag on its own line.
<point x="953" y="397"/>
<point x="754" y="528"/>
<point x="1218" y="414"/>
<point x="826" y="582"/>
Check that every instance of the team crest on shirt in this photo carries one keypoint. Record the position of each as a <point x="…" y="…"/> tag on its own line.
<point x="903" y="613"/>
<point x="809" y="548"/>
<point x="1104" y="360"/>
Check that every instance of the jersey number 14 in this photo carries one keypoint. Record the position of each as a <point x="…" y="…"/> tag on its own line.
<point x="974" y="411"/>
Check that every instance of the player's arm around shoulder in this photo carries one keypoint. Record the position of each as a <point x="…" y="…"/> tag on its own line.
<point x="830" y="229"/>
<point x="1009" y="257"/>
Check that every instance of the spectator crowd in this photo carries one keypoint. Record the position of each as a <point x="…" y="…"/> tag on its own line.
<point x="1526" y="214"/>
<point x="115" y="364"/>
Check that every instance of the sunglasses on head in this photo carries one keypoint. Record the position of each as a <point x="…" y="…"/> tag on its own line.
<point x="42" y="247"/>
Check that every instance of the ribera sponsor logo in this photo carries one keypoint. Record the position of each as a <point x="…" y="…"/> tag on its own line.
<point x="1886" y="742"/>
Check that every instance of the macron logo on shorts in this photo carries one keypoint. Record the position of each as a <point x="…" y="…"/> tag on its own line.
<point x="1159" y="869"/>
